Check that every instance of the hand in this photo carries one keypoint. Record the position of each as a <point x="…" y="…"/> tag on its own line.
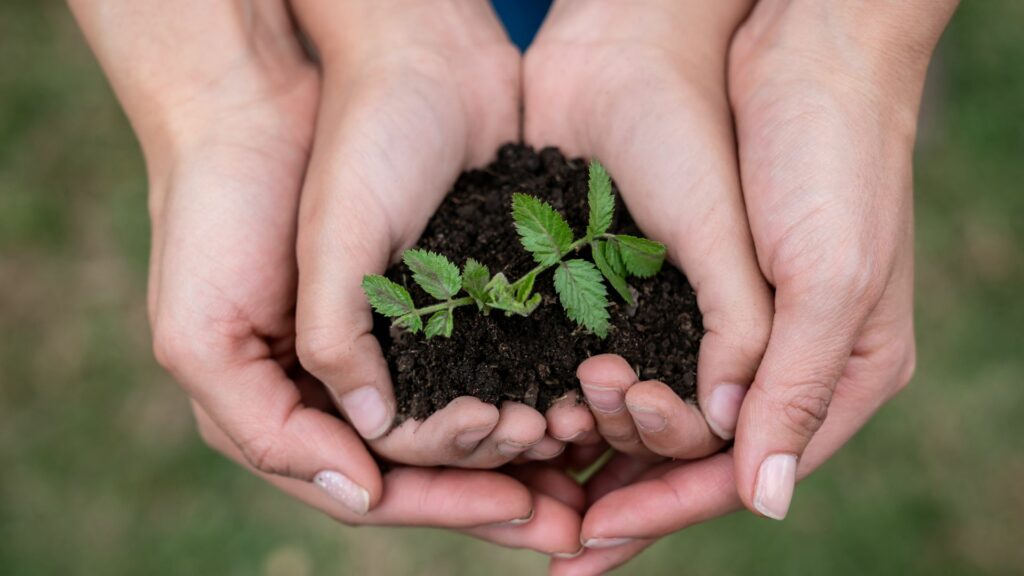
<point x="224" y="104"/>
<point x="825" y="100"/>
<point x="617" y="82"/>
<point x="430" y="90"/>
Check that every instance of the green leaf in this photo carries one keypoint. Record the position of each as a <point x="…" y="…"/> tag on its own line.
<point x="524" y="286"/>
<point x="600" y="200"/>
<point x="614" y="258"/>
<point x="583" y="295"/>
<point x="642" y="257"/>
<point x="411" y="322"/>
<point x="542" y="230"/>
<point x="503" y="297"/>
<point x="475" y="277"/>
<point x="597" y="249"/>
<point x="386" y="297"/>
<point x="434" y="273"/>
<point x="440" y="324"/>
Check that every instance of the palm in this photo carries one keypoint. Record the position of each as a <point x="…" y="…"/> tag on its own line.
<point x="226" y="228"/>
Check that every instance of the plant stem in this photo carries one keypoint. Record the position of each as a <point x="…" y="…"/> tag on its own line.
<point x="574" y="247"/>
<point x="447" y="305"/>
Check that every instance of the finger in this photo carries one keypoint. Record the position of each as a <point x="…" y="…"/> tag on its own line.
<point x="620" y="471"/>
<point x="678" y="495"/>
<point x="598" y="560"/>
<point x="668" y="425"/>
<point x="262" y="412"/>
<point x="812" y="338"/>
<point x="447" y="498"/>
<point x="519" y="429"/>
<point x="554" y="529"/>
<point x="445" y="437"/>
<point x="579" y="458"/>
<point x="605" y="380"/>
<point x="547" y="449"/>
<point x="569" y="420"/>
<point x="548" y="480"/>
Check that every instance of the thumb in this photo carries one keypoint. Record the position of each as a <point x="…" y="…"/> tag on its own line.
<point x="812" y="337"/>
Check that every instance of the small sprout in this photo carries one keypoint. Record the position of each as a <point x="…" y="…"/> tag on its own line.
<point x="547" y="236"/>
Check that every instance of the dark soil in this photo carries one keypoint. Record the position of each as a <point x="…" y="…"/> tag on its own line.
<point x="532" y="360"/>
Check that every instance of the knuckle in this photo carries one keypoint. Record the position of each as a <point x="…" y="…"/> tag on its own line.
<point x="318" y="351"/>
<point x="805" y="408"/>
<point x="265" y="454"/>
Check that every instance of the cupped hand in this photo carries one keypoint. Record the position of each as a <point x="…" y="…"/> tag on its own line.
<point x="642" y="88"/>
<point x="825" y="100"/>
<point x="224" y="102"/>
<point x="429" y="90"/>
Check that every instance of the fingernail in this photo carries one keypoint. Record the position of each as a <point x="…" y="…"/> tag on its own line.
<point x="367" y="411"/>
<point x="568" y="555"/>
<point x="775" y="481"/>
<point x="546" y="449"/>
<point x="344" y="490"/>
<point x="606" y="542"/>
<point x="724" y="409"/>
<point x="571" y="438"/>
<point x="516" y="521"/>
<point x="511" y="448"/>
<point x="649" y="420"/>
<point x="519" y="521"/>
<point x="468" y="439"/>
<point x="603" y="399"/>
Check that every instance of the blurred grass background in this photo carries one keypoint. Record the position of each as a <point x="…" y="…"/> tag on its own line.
<point x="103" y="473"/>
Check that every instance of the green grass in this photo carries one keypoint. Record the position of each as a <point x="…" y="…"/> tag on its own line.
<point x="103" y="472"/>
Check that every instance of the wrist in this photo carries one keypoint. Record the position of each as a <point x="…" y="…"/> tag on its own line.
<point x="356" y="30"/>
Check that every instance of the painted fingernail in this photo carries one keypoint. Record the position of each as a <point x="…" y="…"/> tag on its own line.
<point x="603" y="399"/>
<point x="568" y="555"/>
<point x="344" y="490"/>
<point x="774" y="489"/>
<point x="468" y="439"/>
<point x="723" y="409"/>
<point x="367" y="411"/>
<point x="648" y="419"/>
<point x="606" y="542"/>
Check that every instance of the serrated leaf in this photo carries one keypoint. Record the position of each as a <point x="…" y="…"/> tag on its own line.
<point x="411" y="322"/>
<point x="583" y="295"/>
<point x="475" y="277"/>
<point x="600" y="200"/>
<point x="440" y="324"/>
<point x="434" y="273"/>
<point x="614" y="258"/>
<point x="598" y="249"/>
<point x="542" y="230"/>
<point x="386" y="297"/>
<point x="642" y="257"/>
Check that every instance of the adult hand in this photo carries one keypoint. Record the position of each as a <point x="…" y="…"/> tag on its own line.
<point x="825" y="99"/>
<point x="224" y="103"/>
<point x="642" y="87"/>
<point x="413" y="94"/>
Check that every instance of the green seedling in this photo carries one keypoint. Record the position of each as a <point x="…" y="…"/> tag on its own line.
<point x="547" y="236"/>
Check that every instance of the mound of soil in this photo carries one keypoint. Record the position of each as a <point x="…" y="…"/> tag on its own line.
<point x="532" y="360"/>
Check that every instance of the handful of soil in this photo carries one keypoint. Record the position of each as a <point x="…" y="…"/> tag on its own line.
<point x="532" y="359"/>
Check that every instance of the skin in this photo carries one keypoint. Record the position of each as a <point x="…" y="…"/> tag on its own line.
<point x="825" y="100"/>
<point x="257" y="159"/>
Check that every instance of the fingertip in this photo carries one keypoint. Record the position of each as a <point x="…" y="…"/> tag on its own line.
<point x="606" y="370"/>
<point x="569" y="420"/>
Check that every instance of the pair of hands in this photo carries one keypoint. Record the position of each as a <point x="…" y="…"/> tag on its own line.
<point x="263" y="165"/>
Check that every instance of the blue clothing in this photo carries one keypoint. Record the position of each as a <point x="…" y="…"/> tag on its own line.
<point x="522" y="18"/>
